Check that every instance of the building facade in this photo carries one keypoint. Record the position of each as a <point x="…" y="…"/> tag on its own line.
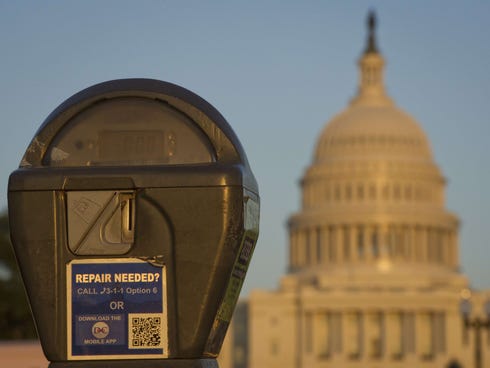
<point x="373" y="276"/>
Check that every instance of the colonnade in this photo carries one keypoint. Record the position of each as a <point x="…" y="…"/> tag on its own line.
<point x="317" y="193"/>
<point x="351" y="243"/>
<point x="375" y="335"/>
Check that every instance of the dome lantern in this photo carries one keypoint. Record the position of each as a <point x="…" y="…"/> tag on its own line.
<point x="371" y="64"/>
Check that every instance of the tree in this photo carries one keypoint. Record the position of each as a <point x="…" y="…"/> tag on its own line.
<point x="15" y="315"/>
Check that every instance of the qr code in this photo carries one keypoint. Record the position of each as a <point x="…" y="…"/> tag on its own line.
<point x="146" y="331"/>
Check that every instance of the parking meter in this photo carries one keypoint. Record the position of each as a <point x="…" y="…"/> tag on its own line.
<point x="134" y="215"/>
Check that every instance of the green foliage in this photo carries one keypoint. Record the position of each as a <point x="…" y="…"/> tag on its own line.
<point x="15" y="315"/>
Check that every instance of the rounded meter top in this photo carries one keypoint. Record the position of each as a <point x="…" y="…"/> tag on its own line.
<point x="131" y="122"/>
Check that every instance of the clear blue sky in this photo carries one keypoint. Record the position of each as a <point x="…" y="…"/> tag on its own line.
<point x="277" y="70"/>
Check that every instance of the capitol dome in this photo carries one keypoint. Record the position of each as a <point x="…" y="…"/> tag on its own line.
<point x="375" y="130"/>
<point x="373" y="195"/>
<point x="372" y="124"/>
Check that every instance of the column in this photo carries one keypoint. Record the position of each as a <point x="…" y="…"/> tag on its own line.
<point x="394" y="347"/>
<point x="407" y="255"/>
<point x="443" y="246"/>
<point x="325" y="237"/>
<point x="436" y="241"/>
<point x="297" y="252"/>
<point x="402" y="243"/>
<point x="321" y="341"/>
<point x="353" y="241"/>
<point x="408" y="331"/>
<point x="312" y="244"/>
<point x="351" y="338"/>
<point x="346" y="251"/>
<point x="388" y="241"/>
<point x="412" y="243"/>
<point x="455" y="248"/>
<point x="368" y="243"/>
<point x="306" y="249"/>
<point x="417" y="244"/>
<point x="305" y="196"/>
<point x="319" y="252"/>
<point x="339" y="244"/>
<point x="301" y="248"/>
<point x="395" y="241"/>
<point x="336" y="330"/>
<point x="365" y="345"/>
<point x="382" y="240"/>
<point x="308" y="332"/>
<point x="439" y="326"/>
<point x="438" y="250"/>
<point x="424" y="334"/>
<point x="310" y="195"/>
<point x="292" y="249"/>
<point x="332" y="240"/>
<point x="372" y="335"/>
<point x="430" y="245"/>
<point x="424" y="242"/>
<point x="447" y="248"/>
<point x="376" y="241"/>
<point x="360" y="242"/>
<point x="392" y="242"/>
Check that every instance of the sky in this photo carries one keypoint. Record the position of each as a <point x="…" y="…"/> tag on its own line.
<point x="277" y="71"/>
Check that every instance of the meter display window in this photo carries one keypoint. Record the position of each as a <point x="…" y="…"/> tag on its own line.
<point x="129" y="132"/>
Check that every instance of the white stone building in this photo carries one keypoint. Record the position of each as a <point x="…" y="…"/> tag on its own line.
<point x="374" y="276"/>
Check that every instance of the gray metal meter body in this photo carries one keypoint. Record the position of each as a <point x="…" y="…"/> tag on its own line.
<point x="133" y="216"/>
